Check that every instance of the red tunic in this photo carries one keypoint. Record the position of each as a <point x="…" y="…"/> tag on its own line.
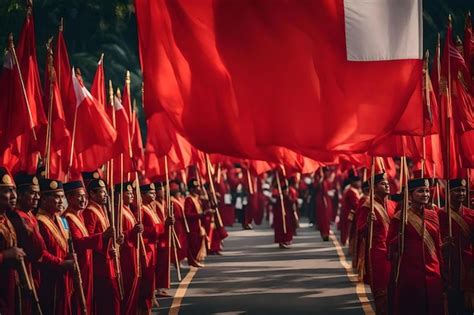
<point x="197" y="233"/>
<point x="105" y="286"/>
<point x="180" y="227"/>
<point x="462" y="256"/>
<point x="380" y="265"/>
<point x="8" y="275"/>
<point x="350" y="201"/>
<point x="226" y="207"/>
<point x="323" y="207"/>
<point x="56" y="288"/>
<point x="83" y="245"/>
<point x="128" y="261"/>
<point x="419" y="289"/>
<point x="290" y="219"/>
<point x="163" y="251"/>
<point x="153" y="227"/>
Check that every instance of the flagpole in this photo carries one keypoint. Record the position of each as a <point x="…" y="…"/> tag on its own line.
<point x="282" y="203"/>
<point x="11" y="47"/>
<point x="50" y="69"/>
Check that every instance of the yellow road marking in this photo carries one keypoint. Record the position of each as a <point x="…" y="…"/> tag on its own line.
<point x="360" y="286"/>
<point x="181" y="291"/>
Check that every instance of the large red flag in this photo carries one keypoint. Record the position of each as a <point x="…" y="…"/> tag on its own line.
<point x="98" y="84"/>
<point x="299" y="74"/>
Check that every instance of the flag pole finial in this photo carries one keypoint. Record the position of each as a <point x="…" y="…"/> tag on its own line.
<point x="101" y="59"/>
<point x="29" y="8"/>
<point x="111" y="93"/>
<point x="118" y="93"/>
<point x="61" y="24"/>
<point x="10" y="41"/>
<point x="450" y="19"/>
<point x="127" y="76"/>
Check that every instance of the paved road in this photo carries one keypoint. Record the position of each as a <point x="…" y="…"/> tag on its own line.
<point x="256" y="277"/>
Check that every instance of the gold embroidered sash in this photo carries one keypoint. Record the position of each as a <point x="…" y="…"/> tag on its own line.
<point x="78" y="222"/>
<point x="104" y="221"/>
<point x="417" y="223"/>
<point x="463" y="226"/>
<point x="197" y="204"/>
<point x="181" y="204"/>
<point x="8" y="232"/>
<point x="129" y="215"/>
<point x="152" y="214"/>
<point x="380" y="209"/>
<point x="57" y="233"/>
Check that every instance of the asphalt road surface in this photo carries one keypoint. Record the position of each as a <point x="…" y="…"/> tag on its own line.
<point x="254" y="276"/>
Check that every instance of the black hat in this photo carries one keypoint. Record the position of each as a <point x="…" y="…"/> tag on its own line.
<point x="354" y="179"/>
<point x="147" y="187"/>
<point x="127" y="186"/>
<point x="396" y="197"/>
<point x="24" y="179"/>
<point x="365" y="185"/>
<point x="6" y="178"/>
<point x="71" y="186"/>
<point x="160" y="185"/>
<point x="96" y="183"/>
<point x="379" y="177"/>
<point x="50" y="185"/>
<point x="456" y="183"/>
<point x="418" y="182"/>
<point x="193" y="183"/>
<point x="41" y="172"/>
<point x="89" y="176"/>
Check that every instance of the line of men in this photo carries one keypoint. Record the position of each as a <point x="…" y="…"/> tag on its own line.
<point x="123" y="256"/>
<point x="418" y="267"/>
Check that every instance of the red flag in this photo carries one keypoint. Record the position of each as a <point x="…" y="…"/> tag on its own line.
<point x="92" y="128"/>
<point x="134" y="127"/>
<point x="290" y="76"/>
<point x="98" y="84"/>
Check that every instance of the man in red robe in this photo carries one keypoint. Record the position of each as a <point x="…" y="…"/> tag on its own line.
<point x="225" y="201"/>
<point x="56" y="287"/>
<point x="84" y="243"/>
<point x="377" y="265"/>
<point x="285" y="220"/>
<point x="129" y="250"/>
<point x="181" y="224"/>
<point x="153" y="228"/>
<point x="324" y="203"/>
<point x="358" y="255"/>
<point x="416" y="271"/>
<point x="105" y="286"/>
<point x="163" y="256"/>
<point x="458" y="249"/>
<point x="350" y="201"/>
<point x="10" y="254"/>
<point x="195" y="213"/>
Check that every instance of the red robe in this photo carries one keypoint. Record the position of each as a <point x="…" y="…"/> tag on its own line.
<point x="84" y="243"/>
<point x="226" y="207"/>
<point x="129" y="263"/>
<point x="290" y="219"/>
<point x="358" y="259"/>
<point x="350" y="201"/>
<point x="419" y="289"/>
<point x="153" y="227"/>
<point x="105" y="286"/>
<point x="379" y="268"/>
<point x="56" y="288"/>
<point x="323" y="207"/>
<point x="462" y="255"/>
<point x="8" y="275"/>
<point x="180" y="227"/>
<point x="163" y="251"/>
<point x="197" y="234"/>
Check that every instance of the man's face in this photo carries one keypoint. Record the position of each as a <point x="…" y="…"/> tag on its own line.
<point x="357" y="184"/>
<point x="53" y="202"/>
<point x="149" y="196"/>
<point x="382" y="188"/>
<point x="128" y="197"/>
<point x="421" y="195"/>
<point x="160" y="194"/>
<point x="7" y="198"/>
<point x="459" y="194"/>
<point x="29" y="199"/>
<point x="99" y="195"/>
<point x="77" y="199"/>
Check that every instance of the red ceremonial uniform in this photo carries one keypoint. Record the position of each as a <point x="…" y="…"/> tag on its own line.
<point x="462" y="257"/>
<point x="323" y="207"/>
<point x="226" y="207"/>
<point x="197" y="233"/>
<point x="163" y="250"/>
<point x="153" y="227"/>
<point x="350" y="201"/>
<point x="419" y="289"/>
<point x="358" y="254"/>
<point x="84" y="243"/>
<point x="129" y="262"/>
<point x="180" y="227"/>
<point x="105" y="284"/>
<point x="56" y="288"/>
<point x="379" y="266"/>
<point x="8" y="298"/>
<point x="290" y="219"/>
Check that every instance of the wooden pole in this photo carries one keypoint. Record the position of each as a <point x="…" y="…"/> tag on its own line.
<point x="282" y="202"/>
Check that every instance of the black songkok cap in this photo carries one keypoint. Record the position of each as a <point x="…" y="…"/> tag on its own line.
<point x="127" y="186"/>
<point x="456" y="183"/>
<point x="193" y="183"/>
<point x="71" y="186"/>
<point x="95" y="184"/>
<point x="24" y="179"/>
<point x="50" y="185"/>
<point x="418" y="182"/>
<point x="147" y="187"/>
<point x="6" y="178"/>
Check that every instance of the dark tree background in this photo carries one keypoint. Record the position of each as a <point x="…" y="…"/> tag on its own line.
<point x="92" y="27"/>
